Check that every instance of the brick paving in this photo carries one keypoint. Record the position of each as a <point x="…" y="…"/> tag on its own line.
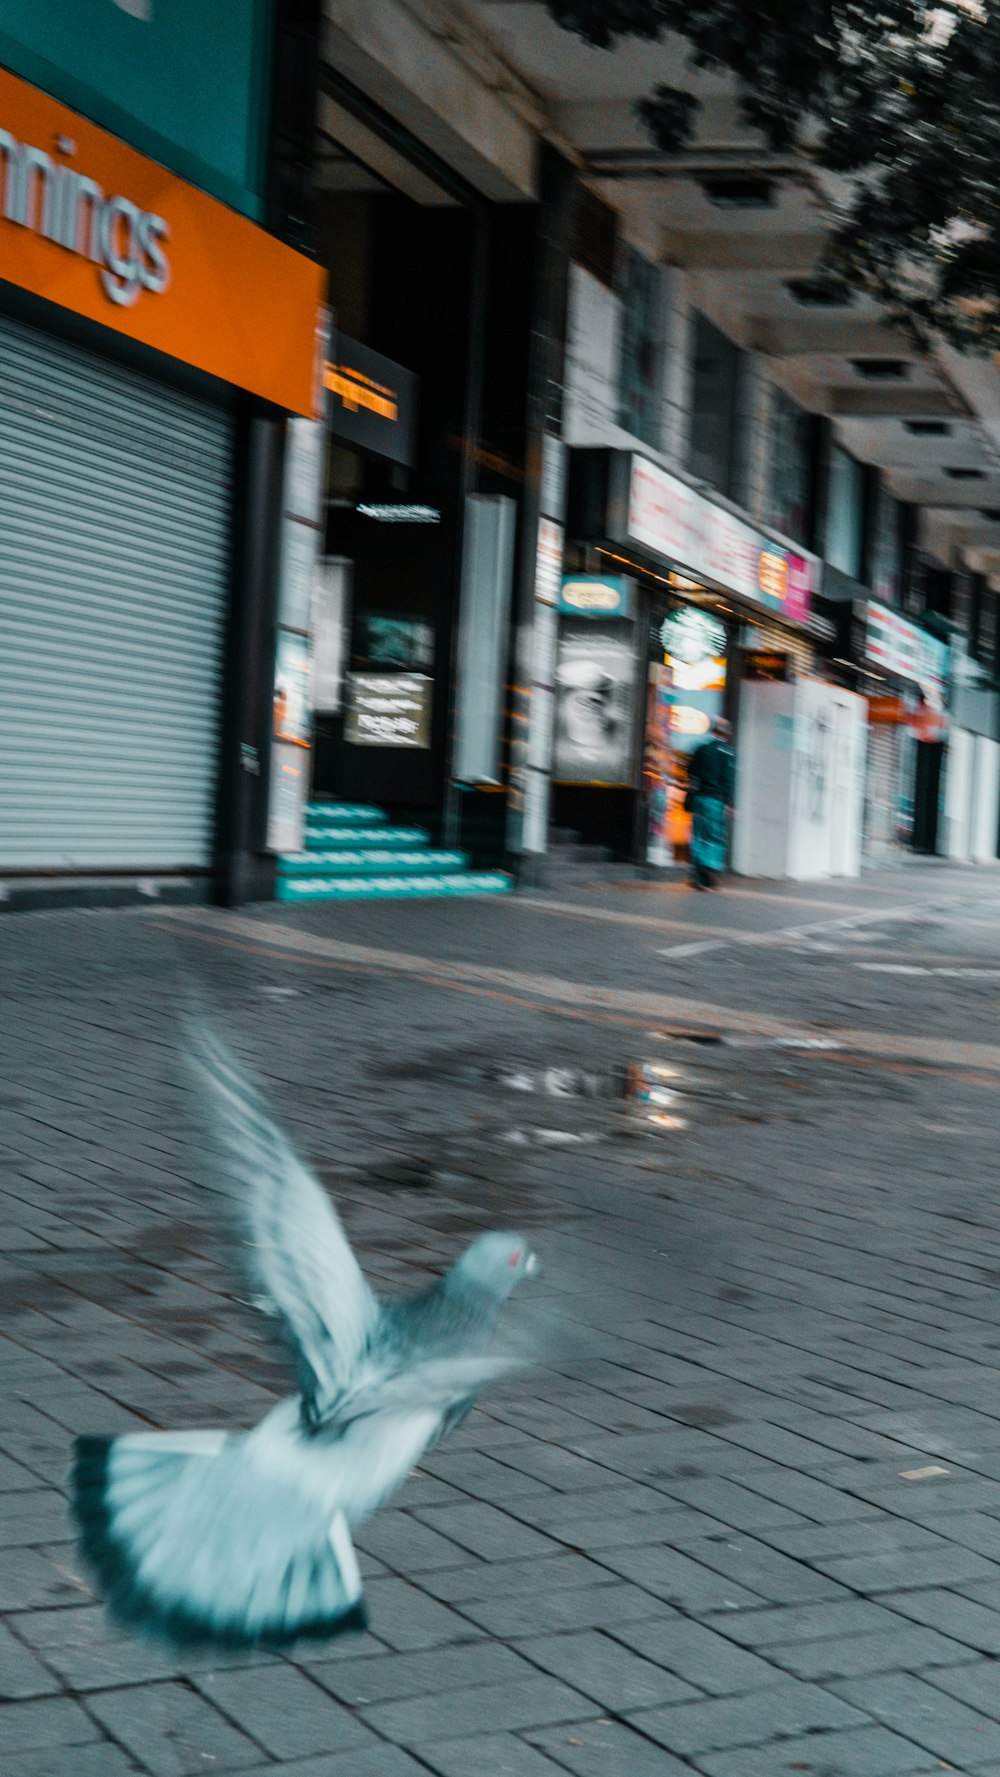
<point x="742" y="1519"/>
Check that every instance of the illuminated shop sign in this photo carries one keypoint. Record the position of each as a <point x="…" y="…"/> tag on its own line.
<point x="773" y="573"/>
<point x="692" y="636"/>
<point x="675" y="522"/>
<point x="596" y="595"/>
<point x="371" y="401"/>
<point x="357" y="391"/>
<point x="685" y="719"/>
<point x="768" y="663"/>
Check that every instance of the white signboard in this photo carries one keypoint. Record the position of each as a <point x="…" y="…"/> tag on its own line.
<point x="549" y="561"/>
<point x="300" y="538"/>
<point x="304" y="470"/>
<point x="671" y="519"/>
<point x="331" y="592"/>
<point x="388" y="710"/>
<point x="299" y="544"/>
<point x="543" y="645"/>
<point x="552" y="493"/>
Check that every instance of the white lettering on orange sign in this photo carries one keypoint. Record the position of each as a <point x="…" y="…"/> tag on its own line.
<point x="72" y="211"/>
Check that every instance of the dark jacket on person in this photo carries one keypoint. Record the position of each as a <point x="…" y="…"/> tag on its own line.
<point x="712" y="771"/>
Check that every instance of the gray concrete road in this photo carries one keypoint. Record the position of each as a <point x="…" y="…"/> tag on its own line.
<point x="745" y="1518"/>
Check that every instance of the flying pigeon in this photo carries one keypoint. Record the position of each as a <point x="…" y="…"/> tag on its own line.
<point x="245" y="1538"/>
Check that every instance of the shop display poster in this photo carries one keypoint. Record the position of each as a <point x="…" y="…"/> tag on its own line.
<point x="595" y="703"/>
<point x="388" y="710"/>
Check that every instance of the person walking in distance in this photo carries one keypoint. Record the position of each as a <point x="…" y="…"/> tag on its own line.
<point x="711" y="776"/>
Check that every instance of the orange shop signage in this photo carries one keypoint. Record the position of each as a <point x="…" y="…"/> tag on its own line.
<point x="91" y="224"/>
<point x="887" y="712"/>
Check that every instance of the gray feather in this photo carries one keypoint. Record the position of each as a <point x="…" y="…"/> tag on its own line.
<point x="295" y="1249"/>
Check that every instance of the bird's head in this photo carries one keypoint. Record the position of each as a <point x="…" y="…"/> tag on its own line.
<point x="495" y="1263"/>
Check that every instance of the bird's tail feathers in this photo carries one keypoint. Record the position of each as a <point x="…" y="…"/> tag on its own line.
<point x="192" y="1544"/>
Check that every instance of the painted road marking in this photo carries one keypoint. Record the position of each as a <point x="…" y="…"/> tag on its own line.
<point x="248" y="934"/>
<point x="856" y="921"/>
<point x="727" y="934"/>
<point x="693" y="949"/>
<point x="965" y="972"/>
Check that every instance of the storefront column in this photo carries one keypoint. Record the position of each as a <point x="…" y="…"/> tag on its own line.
<point x="543" y="516"/>
<point x="245" y="874"/>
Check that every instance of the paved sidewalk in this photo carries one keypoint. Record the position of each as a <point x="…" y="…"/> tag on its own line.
<point x="746" y="1523"/>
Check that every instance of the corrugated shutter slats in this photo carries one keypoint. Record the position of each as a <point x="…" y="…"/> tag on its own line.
<point x="114" y="545"/>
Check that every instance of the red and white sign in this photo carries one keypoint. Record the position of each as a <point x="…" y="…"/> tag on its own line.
<point x="671" y="519"/>
<point x="548" y="561"/>
<point x="927" y="723"/>
<point x="907" y="651"/>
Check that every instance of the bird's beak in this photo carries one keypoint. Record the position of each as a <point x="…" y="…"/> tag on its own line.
<point x="532" y="1266"/>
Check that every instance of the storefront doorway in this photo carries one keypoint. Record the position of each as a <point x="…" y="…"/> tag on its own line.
<point x="715" y="595"/>
<point x="687" y="685"/>
<point x="903" y="672"/>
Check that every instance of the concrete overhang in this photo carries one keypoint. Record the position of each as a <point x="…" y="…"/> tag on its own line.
<point x="891" y="400"/>
<point x="446" y="92"/>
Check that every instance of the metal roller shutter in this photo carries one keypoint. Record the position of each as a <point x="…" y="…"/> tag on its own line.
<point x="881" y="791"/>
<point x="114" y="520"/>
<point x="784" y="641"/>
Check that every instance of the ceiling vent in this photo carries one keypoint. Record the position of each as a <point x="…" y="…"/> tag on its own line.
<point x="965" y="474"/>
<point x="928" y="428"/>
<point x="820" y="293"/>
<point x="881" y="370"/>
<point x="738" y="191"/>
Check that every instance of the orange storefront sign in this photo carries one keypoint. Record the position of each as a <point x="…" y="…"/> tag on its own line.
<point x="888" y="712"/>
<point x="91" y="224"/>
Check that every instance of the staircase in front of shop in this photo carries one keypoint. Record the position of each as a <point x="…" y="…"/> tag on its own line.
<point x="353" y="853"/>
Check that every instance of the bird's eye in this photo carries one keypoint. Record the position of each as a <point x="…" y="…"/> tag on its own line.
<point x="515" y="1258"/>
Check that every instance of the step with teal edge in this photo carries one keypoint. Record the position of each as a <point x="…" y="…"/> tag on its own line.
<point x="396" y="887"/>
<point x="373" y="861"/>
<point x="320" y="839"/>
<point x="344" y="814"/>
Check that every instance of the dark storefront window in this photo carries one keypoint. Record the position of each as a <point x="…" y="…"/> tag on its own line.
<point x="793" y="460"/>
<point x="845" y="515"/>
<point x="639" y="379"/>
<point x="718" y="417"/>
<point x="389" y="582"/>
<point x="963" y="602"/>
<point x="937" y="587"/>
<point x="888" y="547"/>
<point x="985" y="640"/>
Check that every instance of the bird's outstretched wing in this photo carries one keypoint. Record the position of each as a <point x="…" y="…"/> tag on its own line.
<point x="194" y="1541"/>
<point x="296" y="1251"/>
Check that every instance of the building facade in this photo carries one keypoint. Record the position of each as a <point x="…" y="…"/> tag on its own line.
<point x="155" y="341"/>
<point x="388" y="425"/>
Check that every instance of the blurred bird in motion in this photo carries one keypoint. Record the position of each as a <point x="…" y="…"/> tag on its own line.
<point x="245" y="1538"/>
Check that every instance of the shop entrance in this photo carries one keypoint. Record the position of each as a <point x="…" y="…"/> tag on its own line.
<point x="929" y="758"/>
<point x="112" y="612"/>
<point x="687" y="685"/>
